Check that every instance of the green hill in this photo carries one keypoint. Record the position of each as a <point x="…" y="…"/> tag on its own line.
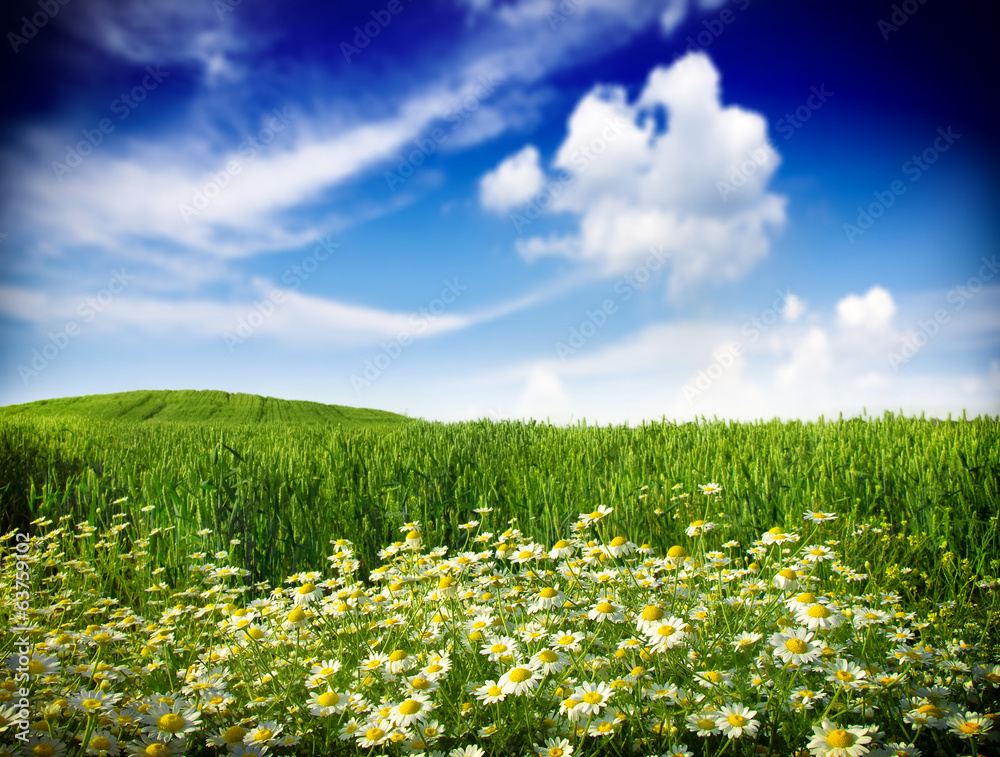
<point x="198" y="407"/>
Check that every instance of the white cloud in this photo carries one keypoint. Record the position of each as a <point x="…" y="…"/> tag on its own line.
<point x="515" y="181"/>
<point x="544" y="398"/>
<point x="634" y="187"/>
<point x="872" y="312"/>
<point x="810" y="360"/>
<point x="794" y="308"/>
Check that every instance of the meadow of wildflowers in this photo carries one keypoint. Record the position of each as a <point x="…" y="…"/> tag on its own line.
<point x="775" y="589"/>
<point x="596" y="643"/>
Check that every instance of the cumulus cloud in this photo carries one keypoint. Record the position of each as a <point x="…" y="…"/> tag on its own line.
<point x="873" y="311"/>
<point x="697" y="189"/>
<point x="515" y="181"/>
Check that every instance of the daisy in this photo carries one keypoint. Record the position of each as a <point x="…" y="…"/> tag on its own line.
<point x="102" y="743"/>
<point x="620" y="547"/>
<point x="569" y="641"/>
<point x="399" y="661"/>
<point x="592" y="698"/>
<point x="819" y="617"/>
<point x="307" y="593"/>
<point x="490" y="693"/>
<point x="548" y="661"/>
<point x="795" y="648"/>
<point x="467" y="751"/>
<point x="229" y="737"/>
<point x="561" y="549"/>
<point x="968" y="725"/>
<point x="153" y="747"/>
<point x="547" y="599"/>
<point x="832" y="740"/>
<point x="329" y="702"/>
<point x="735" y="720"/>
<point x="594" y="516"/>
<point x="817" y="553"/>
<point x="518" y="681"/>
<point x="373" y="735"/>
<point x="709" y="489"/>
<point x="555" y="748"/>
<point x="264" y="734"/>
<point x="703" y="723"/>
<point x="171" y="721"/>
<point x="93" y="701"/>
<point x="744" y="641"/>
<point x="846" y="674"/>
<point x="499" y="648"/>
<point x="786" y="580"/>
<point x="606" y="611"/>
<point x="416" y="709"/>
<point x="715" y="678"/>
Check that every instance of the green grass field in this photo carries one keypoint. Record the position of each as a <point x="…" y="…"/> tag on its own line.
<point x="208" y="502"/>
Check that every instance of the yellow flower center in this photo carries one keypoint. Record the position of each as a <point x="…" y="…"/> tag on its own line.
<point x="410" y="707"/>
<point x="605" y="608"/>
<point x="90" y="704"/>
<point x="398" y="655"/>
<point x="845" y="676"/>
<point x="788" y="573"/>
<point x="255" y="633"/>
<point x="413" y="536"/>
<point x="307" y="589"/>
<point x="264" y="734"/>
<point x="234" y="734"/>
<point x="619" y="541"/>
<point x="931" y="710"/>
<point x="494" y="691"/>
<point x="776" y="531"/>
<point x="737" y="721"/>
<point x="796" y="646"/>
<point x="592" y="697"/>
<point x="555" y="752"/>
<point x="156" y="749"/>
<point x="171" y="723"/>
<point x="840" y="739"/>
<point x="548" y="656"/>
<point x="498" y="648"/>
<point x="651" y="613"/>
<point x="100" y="638"/>
<point x="43" y="750"/>
<point x="666" y="630"/>
<point x="420" y="683"/>
<point x="517" y="675"/>
<point x="567" y="640"/>
<point x="561" y="544"/>
<point x="818" y="611"/>
<point x="547" y="593"/>
<point x="297" y="615"/>
<point x="435" y="668"/>
<point x="329" y="699"/>
<point x="970" y="727"/>
<point x="714" y="676"/>
<point x="806" y="598"/>
<point x="706" y="724"/>
<point x="676" y="552"/>
<point x="100" y="743"/>
<point x="374" y="734"/>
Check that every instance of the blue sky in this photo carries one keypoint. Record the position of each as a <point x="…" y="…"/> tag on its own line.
<point x="601" y="210"/>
